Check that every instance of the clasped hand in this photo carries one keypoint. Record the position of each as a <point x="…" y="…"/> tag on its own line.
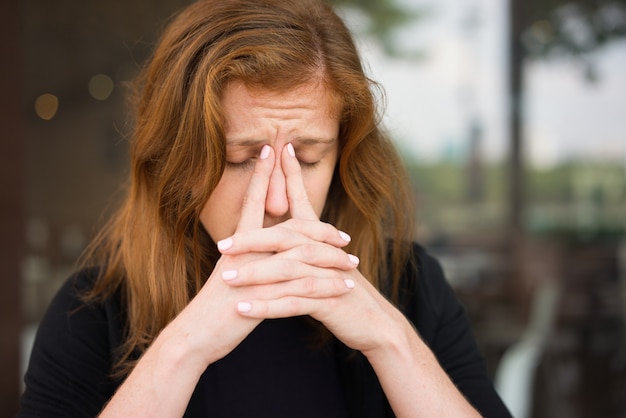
<point x="296" y="267"/>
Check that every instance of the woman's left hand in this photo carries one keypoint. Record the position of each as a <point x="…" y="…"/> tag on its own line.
<point x="361" y="318"/>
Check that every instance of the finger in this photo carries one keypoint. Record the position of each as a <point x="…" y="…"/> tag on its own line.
<point x="253" y="207"/>
<point x="295" y="264"/>
<point x="285" y="307"/>
<point x="306" y="287"/>
<point x="317" y="231"/>
<point x="299" y="204"/>
<point x="286" y="235"/>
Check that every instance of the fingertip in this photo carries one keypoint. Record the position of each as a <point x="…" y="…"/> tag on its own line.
<point x="252" y="209"/>
<point x="299" y="203"/>
<point x="353" y="259"/>
<point x="345" y="236"/>
<point x="225" y="244"/>
<point x="265" y="152"/>
<point x="244" y="307"/>
<point x="290" y="162"/>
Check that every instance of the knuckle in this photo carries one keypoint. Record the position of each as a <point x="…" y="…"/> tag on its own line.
<point x="250" y="199"/>
<point x="287" y="269"/>
<point x="308" y="252"/>
<point x="310" y="286"/>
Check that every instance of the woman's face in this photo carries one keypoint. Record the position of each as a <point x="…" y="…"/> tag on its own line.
<point x="254" y="118"/>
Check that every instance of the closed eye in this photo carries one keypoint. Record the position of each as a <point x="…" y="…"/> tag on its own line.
<point x="243" y="165"/>
<point x="304" y="164"/>
<point x="249" y="164"/>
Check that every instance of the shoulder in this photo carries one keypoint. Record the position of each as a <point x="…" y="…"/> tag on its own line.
<point x="431" y="304"/>
<point x="427" y="299"/>
<point x="423" y="282"/>
<point x="70" y="311"/>
<point x="70" y="364"/>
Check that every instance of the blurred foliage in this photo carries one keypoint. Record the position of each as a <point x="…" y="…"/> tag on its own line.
<point x="557" y="28"/>
<point x="383" y="18"/>
<point x="571" y="28"/>
<point x="446" y="181"/>
<point x="385" y="15"/>
<point x="575" y="27"/>
<point x="569" y="199"/>
<point x="570" y="181"/>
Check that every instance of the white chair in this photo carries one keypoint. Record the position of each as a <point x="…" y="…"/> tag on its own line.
<point x="516" y="371"/>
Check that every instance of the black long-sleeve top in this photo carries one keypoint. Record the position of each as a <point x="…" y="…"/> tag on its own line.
<point x="274" y="372"/>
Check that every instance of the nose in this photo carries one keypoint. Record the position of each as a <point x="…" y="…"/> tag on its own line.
<point x="276" y="202"/>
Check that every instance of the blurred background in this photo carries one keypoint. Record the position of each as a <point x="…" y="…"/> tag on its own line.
<point x="511" y="118"/>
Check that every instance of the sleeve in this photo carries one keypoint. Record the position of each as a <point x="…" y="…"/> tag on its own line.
<point x="443" y="324"/>
<point x="69" y="368"/>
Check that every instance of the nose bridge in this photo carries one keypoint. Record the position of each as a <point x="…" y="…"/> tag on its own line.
<point x="276" y="203"/>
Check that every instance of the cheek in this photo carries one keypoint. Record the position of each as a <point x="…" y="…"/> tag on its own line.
<point x="317" y="184"/>
<point x="220" y="213"/>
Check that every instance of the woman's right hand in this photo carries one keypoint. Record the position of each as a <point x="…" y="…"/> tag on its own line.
<point x="207" y="329"/>
<point x="210" y="326"/>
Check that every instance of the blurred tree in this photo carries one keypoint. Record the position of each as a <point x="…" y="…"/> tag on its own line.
<point x="575" y="29"/>
<point x="538" y="29"/>
<point x="541" y="29"/>
<point x="383" y="17"/>
<point x="548" y="28"/>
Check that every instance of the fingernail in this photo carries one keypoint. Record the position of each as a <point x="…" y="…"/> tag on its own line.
<point x="244" y="307"/>
<point x="349" y="283"/>
<point x="265" y="152"/>
<point x="229" y="274"/>
<point x="353" y="259"/>
<point x="290" y="150"/>
<point x="345" y="236"/>
<point x="224" y="244"/>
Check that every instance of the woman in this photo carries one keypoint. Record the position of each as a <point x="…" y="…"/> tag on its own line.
<point x="262" y="262"/>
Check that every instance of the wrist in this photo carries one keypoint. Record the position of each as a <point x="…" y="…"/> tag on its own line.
<point x="397" y="342"/>
<point x="177" y="352"/>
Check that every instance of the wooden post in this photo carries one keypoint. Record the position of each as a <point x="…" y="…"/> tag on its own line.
<point x="11" y="206"/>
<point x="518" y="21"/>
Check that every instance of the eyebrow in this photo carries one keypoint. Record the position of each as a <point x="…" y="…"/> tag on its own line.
<point x="298" y="140"/>
<point x="314" y="141"/>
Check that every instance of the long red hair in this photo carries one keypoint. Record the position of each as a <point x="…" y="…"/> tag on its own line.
<point x="154" y="250"/>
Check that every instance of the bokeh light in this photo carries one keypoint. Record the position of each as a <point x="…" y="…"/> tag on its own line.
<point x="46" y="106"/>
<point x="101" y="86"/>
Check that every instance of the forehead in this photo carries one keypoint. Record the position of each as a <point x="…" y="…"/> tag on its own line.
<point x="256" y="116"/>
<point x="312" y="95"/>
